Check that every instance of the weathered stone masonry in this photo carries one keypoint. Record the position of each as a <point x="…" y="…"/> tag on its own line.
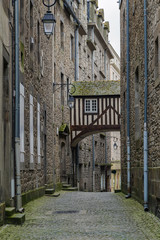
<point x="36" y="77"/>
<point x="136" y="18"/>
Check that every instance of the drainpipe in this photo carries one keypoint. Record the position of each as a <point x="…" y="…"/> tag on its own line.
<point x="106" y="159"/>
<point x="128" y="110"/>
<point x="17" y="112"/>
<point x="105" y="148"/>
<point x="105" y="64"/>
<point x="73" y="157"/>
<point x="92" y="54"/>
<point x="93" y="162"/>
<point x="77" y="161"/>
<point x="77" y="53"/>
<point x="145" y="113"/>
<point x="92" y="64"/>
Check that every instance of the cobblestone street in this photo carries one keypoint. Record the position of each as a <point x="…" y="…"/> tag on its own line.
<point x="79" y="215"/>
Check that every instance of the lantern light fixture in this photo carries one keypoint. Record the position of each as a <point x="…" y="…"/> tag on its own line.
<point x="48" y="19"/>
<point x="71" y="102"/>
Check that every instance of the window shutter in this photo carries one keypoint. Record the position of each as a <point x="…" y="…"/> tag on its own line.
<point x="21" y="123"/>
<point x="31" y="131"/>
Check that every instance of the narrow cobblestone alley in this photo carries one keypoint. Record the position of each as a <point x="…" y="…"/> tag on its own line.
<point x="80" y="215"/>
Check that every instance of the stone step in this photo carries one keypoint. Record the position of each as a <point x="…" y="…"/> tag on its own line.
<point x="9" y="211"/>
<point x="66" y="185"/>
<point x="70" y="189"/>
<point x="56" y="194"/>
<point x="49" y="191"/>
<point x="17" y="218"/>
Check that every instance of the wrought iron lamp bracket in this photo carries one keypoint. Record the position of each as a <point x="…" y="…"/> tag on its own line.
<point x="70" y="91"/>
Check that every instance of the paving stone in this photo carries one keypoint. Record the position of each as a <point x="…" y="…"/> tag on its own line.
<point x="83" y="216"/>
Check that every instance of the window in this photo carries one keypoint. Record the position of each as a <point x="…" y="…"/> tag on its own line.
<point x="123" y="40"/>
<point x="137" y="106"/>
<point x="90" y="105"/>
<point x="22" y="18"/>
<point x="62" y="89"/>
<point x="156" y="58"/>
<point x="88" y="10"/>
<point x="38" y="42"/>
<point x="62" y="34"/>
<point x="38" y="134"/>
<point x="80" y="53"/>
<point x="67" y="90"/>
<point x="31" y="130"/>
<point x="71" y="48"/>
<point x="21" y="123"/>
<point x="31" y="27"/>
<point x="54" y="87"/>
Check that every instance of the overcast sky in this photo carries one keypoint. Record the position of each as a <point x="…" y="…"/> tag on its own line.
<point x="111" y="14"/>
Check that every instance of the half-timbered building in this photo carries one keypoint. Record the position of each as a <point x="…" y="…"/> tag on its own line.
<point x="96" y="110"/>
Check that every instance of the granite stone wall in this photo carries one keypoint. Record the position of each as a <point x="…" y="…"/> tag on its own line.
<point x="36" y="77"/>
<point x="137" y="83"/>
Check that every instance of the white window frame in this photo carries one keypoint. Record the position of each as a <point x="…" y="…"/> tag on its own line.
<point x="91" y="106"/>
<point x="22" y="152"/>
<point x="38" y="134"/>
<point x="31" y="129"/>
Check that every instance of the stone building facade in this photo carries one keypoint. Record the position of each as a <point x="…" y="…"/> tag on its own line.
<point x="36" y="99"/>
<point x="78" y="51"/>
<point x="80" y="54"/>
<point x="92" y="171"/>
<point x="114" y="65"/>
<point x="6" y="79"/>
<point x="114" y="137"/>
<point x="35" y="121"/>
<point x="68" y="53"/>
<point x="137" y="86"/>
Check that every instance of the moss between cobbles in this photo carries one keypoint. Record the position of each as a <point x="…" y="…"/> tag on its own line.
<point x="2" y="209"/>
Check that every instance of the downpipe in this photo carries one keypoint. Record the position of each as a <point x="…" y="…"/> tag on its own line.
<point x="128" y="169"/>
<point x="128" y="110"/>
<point x="18" y="178"/>
<point x="17" y="113"/>
<point x="77" y="53"/>
<point x="145" y="168"/>
<point x="93" y="162"/>
<point x="77" y="161"/>
<point x="145" y="113"/>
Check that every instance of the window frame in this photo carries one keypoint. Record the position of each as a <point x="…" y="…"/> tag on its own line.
<point x="91" y="111"/>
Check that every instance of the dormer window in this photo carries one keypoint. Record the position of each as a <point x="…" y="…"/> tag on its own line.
<point x="90" y="105"/>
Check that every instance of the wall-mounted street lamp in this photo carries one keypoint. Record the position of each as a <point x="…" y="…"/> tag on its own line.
<point x="71" y="101"/>
<point x="70" y="92"/>
<point x="48" y="19"/>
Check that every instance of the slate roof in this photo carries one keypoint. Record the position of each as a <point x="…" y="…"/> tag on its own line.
<point x="96" y="88"/>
